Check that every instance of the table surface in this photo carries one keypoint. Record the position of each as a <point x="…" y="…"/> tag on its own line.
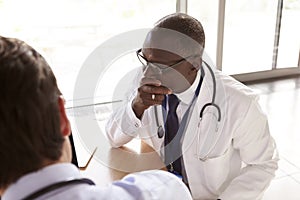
<point x="114" y="163"/>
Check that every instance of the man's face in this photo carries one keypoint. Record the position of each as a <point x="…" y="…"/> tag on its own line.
<point x="168" y="68"/>
<point x="174" y="71"/>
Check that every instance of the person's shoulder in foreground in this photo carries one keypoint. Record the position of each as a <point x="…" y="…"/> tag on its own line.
<point x="154" y="184"/>
<point x="34" y="145"/>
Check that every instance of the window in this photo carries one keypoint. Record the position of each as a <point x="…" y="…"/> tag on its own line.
<point x="67" y="31"/>
<point x="289" y="42"/>
<point x="249" y="35"/>
<point x="260" y="36"/>
<point x="207" y="13"/>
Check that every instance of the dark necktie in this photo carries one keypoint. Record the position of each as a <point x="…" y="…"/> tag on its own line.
<point x="172" y="126"/>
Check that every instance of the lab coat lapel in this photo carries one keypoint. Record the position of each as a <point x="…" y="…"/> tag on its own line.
<point x="190" y="132"/>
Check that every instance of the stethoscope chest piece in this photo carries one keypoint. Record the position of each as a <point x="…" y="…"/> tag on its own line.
<point x="160" y="131"/>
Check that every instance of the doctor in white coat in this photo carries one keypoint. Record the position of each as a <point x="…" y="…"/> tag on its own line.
<point x="223" y="144"/>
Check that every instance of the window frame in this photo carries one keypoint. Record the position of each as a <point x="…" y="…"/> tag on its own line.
<point x="181" y="6"/>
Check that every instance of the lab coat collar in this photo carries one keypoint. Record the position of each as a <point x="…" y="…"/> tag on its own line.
<point x="187" y="95"/>
<point x="41" y="178"/>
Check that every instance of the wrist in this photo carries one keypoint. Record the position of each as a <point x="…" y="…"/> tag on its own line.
<point x="138" y="109"/>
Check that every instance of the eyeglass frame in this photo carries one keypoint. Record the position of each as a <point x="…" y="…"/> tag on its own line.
<point x="159" y="67"/>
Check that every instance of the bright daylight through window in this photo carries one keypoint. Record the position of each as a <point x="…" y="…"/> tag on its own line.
<point x="67" y="31"/>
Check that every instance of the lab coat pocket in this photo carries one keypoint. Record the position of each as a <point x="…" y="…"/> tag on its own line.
<point x="213" y="155"/>
<point x="208" y="134"/>
<point x="216" y="171"/>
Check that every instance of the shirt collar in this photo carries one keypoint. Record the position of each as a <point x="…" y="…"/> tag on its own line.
<point x="32" y="182"/>
<point x="187" y="95"/>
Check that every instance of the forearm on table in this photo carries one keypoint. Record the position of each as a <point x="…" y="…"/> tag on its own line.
<point x="122" y="126"/>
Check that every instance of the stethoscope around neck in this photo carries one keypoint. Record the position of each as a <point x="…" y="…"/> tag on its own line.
<point x="160" y="129"/>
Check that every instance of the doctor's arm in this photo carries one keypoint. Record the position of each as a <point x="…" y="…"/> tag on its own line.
<point x="122" y="126"/>
<point x="258" y="152"/>
<point x="125" y="123"/>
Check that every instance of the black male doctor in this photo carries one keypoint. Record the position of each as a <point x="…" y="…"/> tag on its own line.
<point x="207" y="127"/>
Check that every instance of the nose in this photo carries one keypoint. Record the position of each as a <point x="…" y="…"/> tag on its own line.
<point x="152" y="71"/>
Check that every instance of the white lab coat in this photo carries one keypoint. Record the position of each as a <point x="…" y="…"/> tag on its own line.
<point x="243" y="159"/>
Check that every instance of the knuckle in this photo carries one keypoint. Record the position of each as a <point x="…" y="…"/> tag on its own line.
<point x="161" y="97"/>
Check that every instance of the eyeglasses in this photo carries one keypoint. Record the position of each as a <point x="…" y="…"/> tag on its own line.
<point x="161" y="67"/>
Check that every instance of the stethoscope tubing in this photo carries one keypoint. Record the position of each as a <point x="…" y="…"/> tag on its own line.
<point x="160" y="130"/>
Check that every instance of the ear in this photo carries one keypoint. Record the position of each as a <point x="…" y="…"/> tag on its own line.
<point x="65" y="127"/>
<point x="196" y="63"/>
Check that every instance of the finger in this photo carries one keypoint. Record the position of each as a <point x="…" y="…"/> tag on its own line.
<point x="151" y="99"/>
<point x="157" y="97"/>
<point x="151" y="102"/>
<point x="154" y="97"/>
<point x="150" y="81"/>
<point x="155" y="89"/>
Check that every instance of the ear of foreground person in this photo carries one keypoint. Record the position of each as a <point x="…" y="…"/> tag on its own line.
<point x="35" y="149"/>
